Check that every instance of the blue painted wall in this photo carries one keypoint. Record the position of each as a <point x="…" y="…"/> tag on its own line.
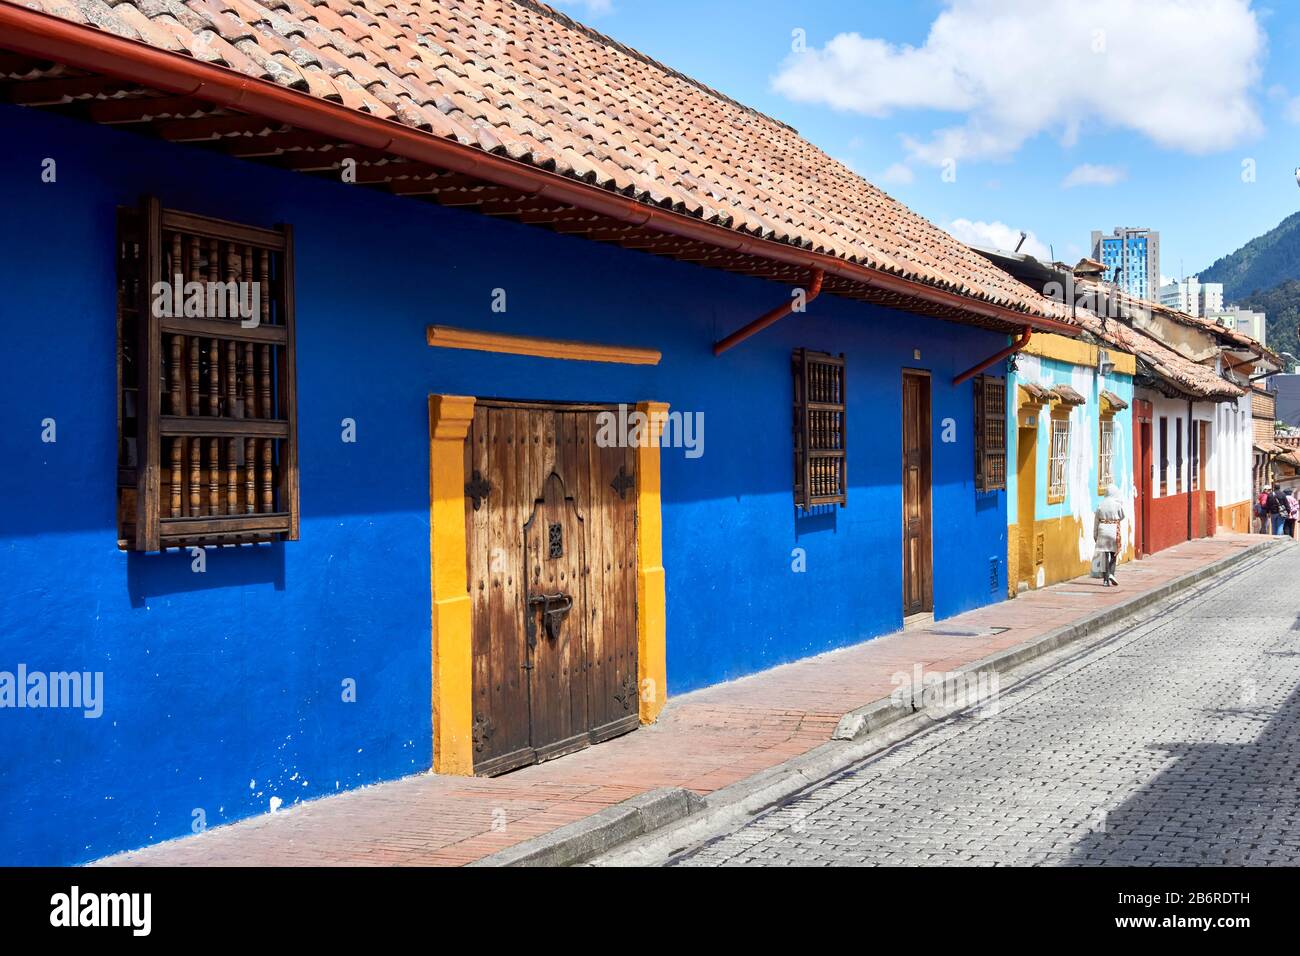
<point x="223" y="689"/>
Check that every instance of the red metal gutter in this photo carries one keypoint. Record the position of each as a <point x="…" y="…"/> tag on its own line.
<point x="48" y="37"/>
<point x="1015" y="347"/>
<point x="768" y="318"/>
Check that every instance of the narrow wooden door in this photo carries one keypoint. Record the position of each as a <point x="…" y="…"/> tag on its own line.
<point x="550" y="520"/>
<point x="555" y="603"/>
<point x="918" y="588"/>
<point x="1143" y="489"/>
<point x="1202" y="452"/>
<point x="1026" y="505"/>
<point x="1142" y="465"/>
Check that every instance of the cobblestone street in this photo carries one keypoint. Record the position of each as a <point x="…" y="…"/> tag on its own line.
<point x="1173" y="742"/>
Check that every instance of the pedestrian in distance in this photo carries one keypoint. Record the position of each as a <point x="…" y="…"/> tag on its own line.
<point x="1278" y="509"/>
<point x="1293" y="512"/>
<point x="1106" y="536"/>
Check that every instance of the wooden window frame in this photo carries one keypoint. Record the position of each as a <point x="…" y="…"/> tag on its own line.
<point x="1058" y="490"/>
<point x="990" y="433"/>
<point x="205" y="397"/>
<point x="1105" y="453"/>
<point x="820" y="429"/>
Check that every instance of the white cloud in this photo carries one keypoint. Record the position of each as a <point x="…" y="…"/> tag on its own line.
<point x="1292" y="109"/>
<point x="995" y="235"/>
<point x="1179" y="72"/>
<point x="1090" y="175"/>
<point x="899" y="174"/>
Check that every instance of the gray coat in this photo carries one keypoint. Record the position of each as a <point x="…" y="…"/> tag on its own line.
<point x="1106" y="522"/>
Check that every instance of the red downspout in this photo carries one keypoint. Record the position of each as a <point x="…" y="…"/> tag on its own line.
<point x="1009" y="350"/>
<point x="48" y="37"/>
<point x="768" y="318"/>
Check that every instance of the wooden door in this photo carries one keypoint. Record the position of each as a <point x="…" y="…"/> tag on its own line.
<point x="1142" y="464"/>
<point x="918" y="587"/>
<point x="1202" y="452"/>
<point x="1026" y="505"/>
<point x="550" y="519"/>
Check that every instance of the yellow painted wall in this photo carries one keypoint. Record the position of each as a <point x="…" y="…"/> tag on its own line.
<point x="1077" y="352"/>
<point x="1060" y="553"/>
<point x="1234" y="517"/>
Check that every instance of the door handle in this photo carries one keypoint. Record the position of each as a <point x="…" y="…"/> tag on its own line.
<point x="555" y="608"/>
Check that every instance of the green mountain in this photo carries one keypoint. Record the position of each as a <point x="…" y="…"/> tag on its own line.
<point x="1263" y="263"/>
<point x="1282" y="306"/>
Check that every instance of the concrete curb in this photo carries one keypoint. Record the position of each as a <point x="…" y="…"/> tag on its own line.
<point x="583" y="839"/>
<point x="685" y="817"/>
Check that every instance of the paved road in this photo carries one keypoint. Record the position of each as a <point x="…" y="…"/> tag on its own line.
<point x="1175" y="742"/>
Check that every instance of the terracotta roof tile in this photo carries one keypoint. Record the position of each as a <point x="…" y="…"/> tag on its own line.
<point x="515" y="76"/>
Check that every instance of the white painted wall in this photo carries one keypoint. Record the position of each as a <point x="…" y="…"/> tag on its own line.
<point x="1228" y="468"/>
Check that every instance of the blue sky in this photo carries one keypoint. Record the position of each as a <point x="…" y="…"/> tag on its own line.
<point x="1053" y="116"/>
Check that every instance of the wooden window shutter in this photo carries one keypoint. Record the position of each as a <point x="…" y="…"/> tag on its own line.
<point x="820" y="439"/>
<point x="990" y="433"/>
<point x="207" y="410"/>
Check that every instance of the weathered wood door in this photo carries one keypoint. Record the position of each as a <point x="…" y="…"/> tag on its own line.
<point x="550" y="520"/>
<point x="1142" y="464"/>
<point x="1026" y="506"/>
<point x="918" y="589"/>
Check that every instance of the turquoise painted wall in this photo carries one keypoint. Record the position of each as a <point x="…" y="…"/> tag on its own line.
<point x="1082" y="494"/>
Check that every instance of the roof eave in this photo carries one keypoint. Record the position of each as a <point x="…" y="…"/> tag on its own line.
<point x="38" y="34"/>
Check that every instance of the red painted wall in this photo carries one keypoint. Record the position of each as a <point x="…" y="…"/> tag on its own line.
<point x="1168" y="519"/>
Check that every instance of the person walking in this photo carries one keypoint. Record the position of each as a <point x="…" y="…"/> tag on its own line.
<point x="1293" y="512"/>
<point x="1261" y="510"/>
<point x="1106" y="534"/>
<point x="1278" y="509"/>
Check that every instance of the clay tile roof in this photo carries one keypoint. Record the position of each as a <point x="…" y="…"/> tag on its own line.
<point x="1036" y="392"/>
<point x="518" y="78"/>
<point x="1113" y="400"/>
<point x="1155" y="358"/>
<point x="1068" y="395"/>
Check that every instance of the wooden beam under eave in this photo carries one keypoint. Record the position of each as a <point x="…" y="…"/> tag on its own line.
<point x="57" y="91"/>
<point x="214" y="128"/>
<point x="273" y="144"/>
<point x="448" y="337"/>
<point x="463" y="197"/>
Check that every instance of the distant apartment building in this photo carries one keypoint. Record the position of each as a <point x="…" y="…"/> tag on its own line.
<point x="1243" y="320"/>
<point x="1132" y="259"/>
<point x="1192" y="296"/>
<point x="1288" y="398"/>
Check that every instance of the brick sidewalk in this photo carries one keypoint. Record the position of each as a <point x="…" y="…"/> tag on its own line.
<point x="703" y="741"/>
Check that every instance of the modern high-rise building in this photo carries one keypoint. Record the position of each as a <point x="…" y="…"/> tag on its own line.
<point x="1132" y="259"/>
<point x="1192" y="296"/>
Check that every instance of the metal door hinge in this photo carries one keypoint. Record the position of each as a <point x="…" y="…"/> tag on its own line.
<point x="477" y="488"/>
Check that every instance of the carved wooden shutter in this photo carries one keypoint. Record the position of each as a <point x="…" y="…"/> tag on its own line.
<point x="207" y="416"/>
<point x="820" y="439"/>
<point x="990" y="433"/>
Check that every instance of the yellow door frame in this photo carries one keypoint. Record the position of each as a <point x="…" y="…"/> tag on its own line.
<point x="452" y="648"/>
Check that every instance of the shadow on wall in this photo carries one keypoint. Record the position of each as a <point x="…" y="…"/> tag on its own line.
<point x="173" y="572"/>
<point x="818" y="519"/>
